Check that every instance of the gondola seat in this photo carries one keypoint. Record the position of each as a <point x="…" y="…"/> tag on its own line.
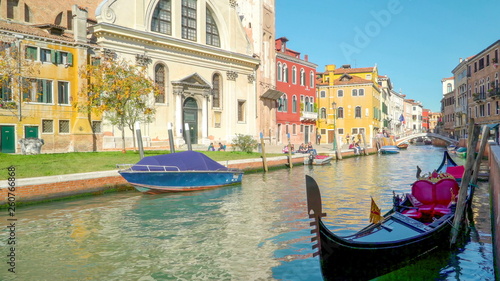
<point x="431" y="199"/>
<point x="456" y="171"/>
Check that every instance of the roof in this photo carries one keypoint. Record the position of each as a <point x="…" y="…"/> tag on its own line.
<point x="32" y="30"/>
<point x="272" y="94"/>
<point x="353" y="70"/>
<point x="351" y="80"/>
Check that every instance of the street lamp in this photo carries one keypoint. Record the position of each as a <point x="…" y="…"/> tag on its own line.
<point x="334" y="107"/>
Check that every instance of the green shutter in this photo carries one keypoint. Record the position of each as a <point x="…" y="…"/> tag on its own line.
<point x="53" y="56"/>
<point x="59" y="57"/>
<point x="70" y="59"/>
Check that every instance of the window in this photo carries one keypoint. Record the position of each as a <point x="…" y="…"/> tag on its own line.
<point x="285" y="103"/>
<point x="212" y="31"/>
<point x="189" y="19"/>
<point x="6" y="92"/>
<point x="279" y="71"/>
<point x="241" y="111"/>
<point x="354" y="92"/>
<point x="357" y="112"/>
<point x="302" y="77"/>
<point x="47" y="126"/>
<point x="44" y="91"/>
<point x="306" y="104"/>
<point x="361" y="92"/>
<point x="64" y="126"/>
<point x="216" y="91"/>
<point x="160" y="82"/>
<point x="294" y="75"/>
<point x="340" y="93"/>
<point x="162" y="17"/>
<point x="294" y="129"/>
<point x="45" y="55"/>
<point x="448" y="88"/>
<point x="285" y="73"/>
<point x="97" y="126"/>
<point x="322" y="114"/>
<point x="311" y="79"/>
<point x="322" y="94"/>
<point x="294" y="104"/>
<point x="340" y="131"/>
<point x="31" y="53"/>
<point x="340" y="112"/>
<point x="62" y="92"/>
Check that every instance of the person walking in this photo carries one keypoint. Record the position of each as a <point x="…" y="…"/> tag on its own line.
<point x="318" y="139"/>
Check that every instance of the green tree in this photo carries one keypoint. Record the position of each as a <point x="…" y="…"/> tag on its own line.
<point x="119" y="91"/>
<point x="245" y="143"/>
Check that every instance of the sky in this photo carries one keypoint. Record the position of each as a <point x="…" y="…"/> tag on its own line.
<point x="416" y="43"/>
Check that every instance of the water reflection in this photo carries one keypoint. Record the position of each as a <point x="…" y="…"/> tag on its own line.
<point x="257" y="230"/>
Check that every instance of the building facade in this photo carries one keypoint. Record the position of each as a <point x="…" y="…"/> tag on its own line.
<point x="296" y="113"/>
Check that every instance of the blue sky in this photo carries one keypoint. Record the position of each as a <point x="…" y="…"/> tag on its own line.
<point x="415" y="43"/>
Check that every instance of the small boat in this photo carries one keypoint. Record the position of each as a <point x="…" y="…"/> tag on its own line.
<point x="181" y="171"/>
<point x="388" y="149"/>
<point x="461" y="152"/>
<point x="314" y="159"/>
<point x="403" y="145"/>
<point x="405" y="233"/>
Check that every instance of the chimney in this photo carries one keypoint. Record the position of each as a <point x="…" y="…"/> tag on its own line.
<point x="306" y="57"/>
<point x="346" y="66"/>
<point x="80" y="16"/>
<point x="460" y="60"/>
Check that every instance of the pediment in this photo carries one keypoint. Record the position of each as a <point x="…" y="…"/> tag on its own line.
<point x="194" y="81"/>
<point x="345" y="77"/>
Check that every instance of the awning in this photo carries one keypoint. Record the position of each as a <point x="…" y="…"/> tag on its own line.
<point x="272" y="94"/>
<point x="492" y="126"/>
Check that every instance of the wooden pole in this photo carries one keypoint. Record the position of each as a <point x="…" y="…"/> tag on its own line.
<point x="477" y="164"/>
<point x="473" y="134"/>
<point x="289" y="152"/>
<point x="263" y="146"/>
<point x="338" y="152"/>
<point x="365" y="152"/>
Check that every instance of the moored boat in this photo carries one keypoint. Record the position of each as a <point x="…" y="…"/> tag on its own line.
<point x="317" y="159"/>
<point x="181" y="171"/>
<point x="461" y="152"/>
<point x="403" y="145"/>
<point x="389" y="149"/>
<point x="405" y="233"/>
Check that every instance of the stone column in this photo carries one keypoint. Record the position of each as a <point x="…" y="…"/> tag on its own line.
<point x="178" y="92"/>
<point x="204" y="115"/>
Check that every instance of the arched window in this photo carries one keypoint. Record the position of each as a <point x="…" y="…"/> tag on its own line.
<point x="162" y="17"/>
<point x="340" y="93"/>
<point x="189" y="19"/>
<point x="285" y="103"/>
<point x="311" y="104"/>
<point x="357" y="112"/>
<point x="216" y="90"/>
<point x="340" y="112"/>
<point x="302" y="77"/>
<point x="294" y="75"/>
<point x="280" y="104"/>
<point x="285" y="73"/>
<point x="294" y="104"/>
<point x="354" y="92"/>
<point x="311" y="79"/>
<point x="322" y="113"/>
<point x="212" y="31"/>
<point x="279" y="71"/>
<point x="448" y="87"/>
<point x="306" y="104"/>
<point x="160" y="82"/>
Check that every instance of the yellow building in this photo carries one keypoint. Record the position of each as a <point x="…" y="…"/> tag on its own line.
<point x="43" y="107"/>
<point x="355" y="95"/>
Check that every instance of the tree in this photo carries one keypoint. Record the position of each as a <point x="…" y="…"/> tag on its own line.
<point x="120" y="90"/>
<point x="15" y="74"/>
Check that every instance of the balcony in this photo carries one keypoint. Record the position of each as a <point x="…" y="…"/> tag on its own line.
<point x="494" y="93"/>
<point x="479" y="98"/>
<point x="308" y="116"/>
<point x="7" y="104"/>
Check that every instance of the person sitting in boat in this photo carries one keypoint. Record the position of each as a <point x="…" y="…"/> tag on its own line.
<point x="211" y="147"/>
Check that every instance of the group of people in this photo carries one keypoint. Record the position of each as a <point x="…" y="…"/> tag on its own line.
<point x="355" y="145"/>
<point x="303" y="148"/>
<point x="212" y="148"/>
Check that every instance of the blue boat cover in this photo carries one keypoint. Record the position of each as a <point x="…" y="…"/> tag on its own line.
<point x="185" y="161"/>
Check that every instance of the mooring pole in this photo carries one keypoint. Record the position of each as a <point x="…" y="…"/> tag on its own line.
<point x="482" y="146"/>
<point x="139" y="139"/>
<point x="171" y="138"/>
<point x="473" y="134"/>
<point x="289" y="152"/>
<point x="263" y="146"/>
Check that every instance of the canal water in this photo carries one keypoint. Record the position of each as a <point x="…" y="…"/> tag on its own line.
<point x="258" y="230"/>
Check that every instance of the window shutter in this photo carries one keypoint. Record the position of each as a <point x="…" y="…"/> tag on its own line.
<point x="53" y="56"/>
<point x="70" y="59"/>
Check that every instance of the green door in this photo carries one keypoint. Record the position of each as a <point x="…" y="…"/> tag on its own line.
<point x="31" y="132"/>
<point x="8" y="139"/>
<point x="191" y="118"/>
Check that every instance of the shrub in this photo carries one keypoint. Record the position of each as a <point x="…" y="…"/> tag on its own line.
<point x="244" y="143"/>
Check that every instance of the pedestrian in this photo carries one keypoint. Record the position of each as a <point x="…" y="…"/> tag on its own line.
<point x="318" y="139"/>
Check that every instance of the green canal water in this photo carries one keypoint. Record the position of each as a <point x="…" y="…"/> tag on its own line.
<point x="258" y="230"/>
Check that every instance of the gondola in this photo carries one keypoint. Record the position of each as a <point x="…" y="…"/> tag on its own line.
<point x="407" y="232"/>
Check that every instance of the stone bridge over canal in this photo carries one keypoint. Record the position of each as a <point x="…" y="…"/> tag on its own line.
<point x="429" y="135"/>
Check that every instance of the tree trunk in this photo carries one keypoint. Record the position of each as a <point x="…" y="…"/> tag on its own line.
<point x="133" y="136"/>
<point x="123" y="136"/>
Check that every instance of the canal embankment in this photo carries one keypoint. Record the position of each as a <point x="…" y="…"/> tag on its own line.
<point x="494" y="180"/>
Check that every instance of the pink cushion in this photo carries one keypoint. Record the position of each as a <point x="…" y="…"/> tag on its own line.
<point x="423" y="191"/>
<point x="443" y="189"/>
<point x="456" y="171"/>
<point x="435" y="197"/>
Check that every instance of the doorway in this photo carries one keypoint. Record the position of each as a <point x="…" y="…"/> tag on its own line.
<point x="31" y="132"/>
<point x="190" y="116"/>
<point x="8" y="139"/>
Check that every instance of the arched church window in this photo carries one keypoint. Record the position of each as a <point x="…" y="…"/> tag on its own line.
<point x="162" y="17"/>
<point x="160" y="82"/>
<point x="212" y="31"/>
<point x="216" y="90"/>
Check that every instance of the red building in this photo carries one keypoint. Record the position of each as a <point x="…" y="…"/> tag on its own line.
<point x="426" y="120"/>
<point x="297" y="112"/>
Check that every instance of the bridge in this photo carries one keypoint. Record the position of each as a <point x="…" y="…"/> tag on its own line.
<point x="429" y="135"/>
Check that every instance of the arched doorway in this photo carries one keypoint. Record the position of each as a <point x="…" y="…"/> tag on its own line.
<point x="190" y="116"/>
